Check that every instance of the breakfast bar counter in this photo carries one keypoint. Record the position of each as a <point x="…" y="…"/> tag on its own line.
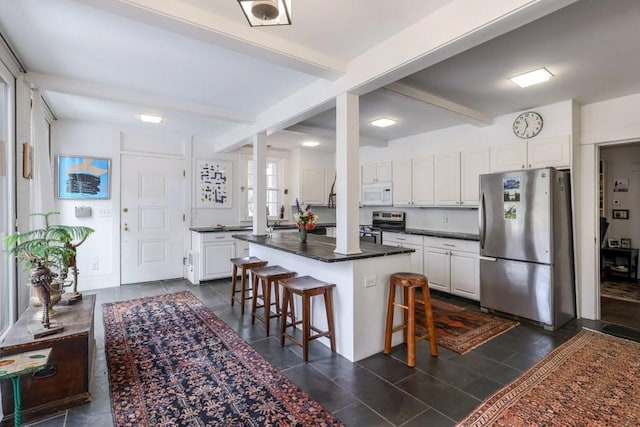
<point x="362" y="284"/>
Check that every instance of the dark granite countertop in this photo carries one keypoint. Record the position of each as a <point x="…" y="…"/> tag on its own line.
<point x="220" y="229"/>
<point x="446" y="234"/>
<point x="319" y="247"/>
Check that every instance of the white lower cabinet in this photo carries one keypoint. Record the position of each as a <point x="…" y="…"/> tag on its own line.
<point x="452" y="266"/>
<point x="411" y="241"/>
<point x="215" y="258"/>
<point x="214" y="251"/>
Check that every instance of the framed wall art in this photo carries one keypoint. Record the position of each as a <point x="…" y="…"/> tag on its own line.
<point x="213" y="183"/>
<point x="81" y="177"/>
<point x="613" y="243"/>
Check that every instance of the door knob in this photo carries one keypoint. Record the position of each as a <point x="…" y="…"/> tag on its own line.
<point x="126" y="227"/>
<point x="125" y="210"/>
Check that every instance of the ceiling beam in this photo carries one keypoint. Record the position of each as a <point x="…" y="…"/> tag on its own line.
<point x="131" y="97"/>
<point x="331" y="134"/>
<point x="188" y="20"/>
<point x="467" y="114"/>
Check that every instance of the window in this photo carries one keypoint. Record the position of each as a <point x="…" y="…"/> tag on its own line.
<point x="275" y="187"/>
<point x="7" y="294"/>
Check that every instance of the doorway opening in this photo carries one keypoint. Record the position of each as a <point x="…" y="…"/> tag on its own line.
<point x="619" y="207"/>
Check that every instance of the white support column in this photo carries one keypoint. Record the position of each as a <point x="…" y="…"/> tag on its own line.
<point x="347" y="161"/>
<point x="260" y="184"/>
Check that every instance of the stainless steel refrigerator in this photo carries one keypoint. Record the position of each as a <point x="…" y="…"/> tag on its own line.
<point x="526" y="245"/>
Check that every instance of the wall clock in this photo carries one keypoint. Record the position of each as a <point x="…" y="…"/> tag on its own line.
<point x="527" y="125"/>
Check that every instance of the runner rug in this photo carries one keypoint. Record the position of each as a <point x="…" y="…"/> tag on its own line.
<point x="591" y="380"/>
<point x="461" y="329"/>
<point x="172" y="362"/>
<point x="621" y="291"/>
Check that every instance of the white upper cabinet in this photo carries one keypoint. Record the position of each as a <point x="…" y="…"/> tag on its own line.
<point x="376" y="172"/>
<point x="457" y="181"/>
<point x="447" y="179"/>
<point x="538" y="153"/>
<point x="413" y="182"/>
<point x="553" y="151"/>
<point x="422" y="181"/>
<point x="402" y="182"/>
<point x="312" y="187"/>
<point x="508" y="157"/>
<point x="473" y="163"/>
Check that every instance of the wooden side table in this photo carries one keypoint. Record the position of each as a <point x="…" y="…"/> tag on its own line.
<point x="14" y="366"/>
<point x="628" y="267"/>
<point x="66" y="380"/>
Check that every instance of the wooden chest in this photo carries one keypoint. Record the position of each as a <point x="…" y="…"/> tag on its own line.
<point x="66" y="380"/>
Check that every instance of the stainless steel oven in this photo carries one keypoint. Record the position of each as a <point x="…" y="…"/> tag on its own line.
<point x="381" y="221"/>
<point x="388" y="220"/>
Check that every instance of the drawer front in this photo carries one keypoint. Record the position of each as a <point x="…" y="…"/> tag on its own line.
<point x="389" y="238"/>
<point x="453" y="244"/>
<point x="216" y="237"/>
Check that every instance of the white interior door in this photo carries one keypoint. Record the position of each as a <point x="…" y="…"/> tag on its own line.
<point x="151" y="218"/>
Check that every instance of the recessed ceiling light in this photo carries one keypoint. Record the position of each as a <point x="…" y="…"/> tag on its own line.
<point x="150" y="118"/>
<point x="532" y="77"/>
<point x="383" y="122"/>
<point x="310" y="143"/>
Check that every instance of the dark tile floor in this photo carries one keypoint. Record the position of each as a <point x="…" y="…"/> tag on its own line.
<point x="378" y="391"/>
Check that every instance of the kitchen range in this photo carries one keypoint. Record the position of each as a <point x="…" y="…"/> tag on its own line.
<point x="381" y="221"/>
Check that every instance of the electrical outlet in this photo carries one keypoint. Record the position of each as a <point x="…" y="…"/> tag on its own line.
<point x="369" y="281"/>
<point x="445" y="218"/>
<point x="95" y="265"/>
<point x="616" y="203"/>
<point x="104" y="213"/>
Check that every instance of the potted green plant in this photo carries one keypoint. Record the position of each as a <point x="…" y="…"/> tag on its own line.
<point x="47" y="252"/>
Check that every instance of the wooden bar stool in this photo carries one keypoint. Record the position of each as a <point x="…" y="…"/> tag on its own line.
<point x="409" y="283"/>
<point x="245" y="263"/>
<point x="306" y="287"/>
<point x="263" y="279"/>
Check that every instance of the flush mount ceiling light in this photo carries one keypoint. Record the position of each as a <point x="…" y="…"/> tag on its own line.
<point x="383" y="122"/>
<point x="150" y="118"/>
<point x="310" y="143"/>
<point x="262" y="13"/>
<point x="532" y="77"/>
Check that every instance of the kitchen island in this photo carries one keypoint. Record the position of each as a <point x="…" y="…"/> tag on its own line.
<point x="361" y="293"/>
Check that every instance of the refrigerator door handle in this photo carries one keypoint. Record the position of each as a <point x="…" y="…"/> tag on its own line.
<point x="483" y="222"/>
<point x="487" y="258"/>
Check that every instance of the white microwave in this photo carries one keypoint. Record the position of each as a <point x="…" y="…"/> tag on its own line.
<point x="378" y="194"/>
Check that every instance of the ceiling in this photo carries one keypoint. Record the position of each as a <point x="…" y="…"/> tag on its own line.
<point x="198" y="64"/>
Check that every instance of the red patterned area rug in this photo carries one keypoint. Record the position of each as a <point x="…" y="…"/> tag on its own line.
<point x="591" y="380"/>
<point x="461" y="329"/>
<point x="172" y="362"/>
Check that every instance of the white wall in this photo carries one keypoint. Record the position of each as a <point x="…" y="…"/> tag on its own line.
<point x="97" y="140"/>
<point x="613" y="121"/>
<point x="102" y="248"/>
<point x="203" y="217"/>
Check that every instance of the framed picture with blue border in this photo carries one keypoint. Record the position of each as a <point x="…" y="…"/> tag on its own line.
<point x="81" y="177"/>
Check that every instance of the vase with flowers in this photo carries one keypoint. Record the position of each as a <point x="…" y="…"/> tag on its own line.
<point x="305" y="220"/>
